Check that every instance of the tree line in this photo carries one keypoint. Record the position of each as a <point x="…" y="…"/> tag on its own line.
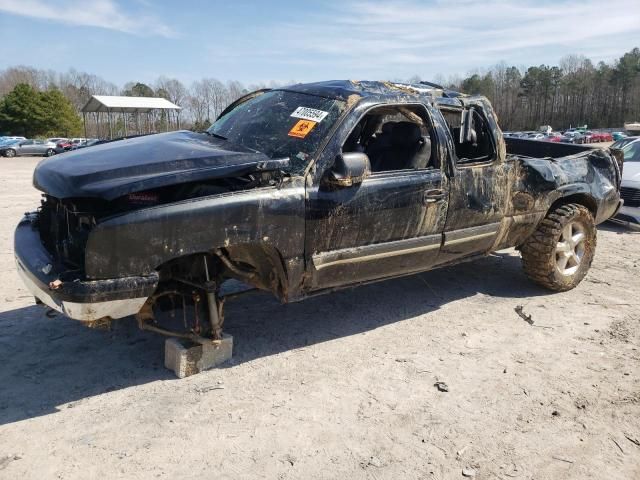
<point x="201" y="102"/>
<point x="575" y="92"/>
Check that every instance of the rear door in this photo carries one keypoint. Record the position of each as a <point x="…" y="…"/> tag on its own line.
<point x="477" y="189"/>
<point x="38" y="147"/>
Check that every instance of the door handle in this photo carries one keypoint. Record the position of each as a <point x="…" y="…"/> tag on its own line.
<point x="432" y="196"/>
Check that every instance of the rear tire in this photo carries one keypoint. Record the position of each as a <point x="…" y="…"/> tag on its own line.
<point x="50" y="152"/>
<point x="559" y="253"/>
<point x="10" y="153"/>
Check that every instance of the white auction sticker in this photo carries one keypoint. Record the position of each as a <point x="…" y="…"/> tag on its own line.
<point x="306" y="113"/>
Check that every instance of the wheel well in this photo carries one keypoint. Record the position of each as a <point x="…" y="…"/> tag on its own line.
<point x="265" y="266"/>
<point x="583" y="199"/>
<point x="258" y="265"/>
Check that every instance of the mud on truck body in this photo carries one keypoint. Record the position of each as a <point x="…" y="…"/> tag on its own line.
<point x="301" y="191"/>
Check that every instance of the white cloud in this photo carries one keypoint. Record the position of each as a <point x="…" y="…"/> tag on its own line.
<point x="391" y="39"/>
<point x="96" y="13"/>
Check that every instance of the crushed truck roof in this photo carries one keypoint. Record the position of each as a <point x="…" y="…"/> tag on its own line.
<point x="344" y="89"/>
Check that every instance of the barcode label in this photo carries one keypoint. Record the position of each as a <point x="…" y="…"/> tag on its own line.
<point x="306" y="113"/>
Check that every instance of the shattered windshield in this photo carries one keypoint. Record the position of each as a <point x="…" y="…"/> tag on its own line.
<point x="281" y="124"/>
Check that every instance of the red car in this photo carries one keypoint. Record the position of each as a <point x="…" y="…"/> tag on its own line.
<point x="554" y="137"/>
<point x="606" y="137"/>
<point x="596" y="137"/>
<point x="601" y="137"/>
<point x="63" y="146"/>
<point x="589" y="137"/>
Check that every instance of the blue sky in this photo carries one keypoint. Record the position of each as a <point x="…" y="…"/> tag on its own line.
<point x="258" y="41"/>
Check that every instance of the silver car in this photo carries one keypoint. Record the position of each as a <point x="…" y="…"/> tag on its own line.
<point x="629" y="214"/>
<point x="28" y="147"/>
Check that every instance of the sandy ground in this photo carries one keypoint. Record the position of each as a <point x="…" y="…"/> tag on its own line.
<point x="340" y="386"/>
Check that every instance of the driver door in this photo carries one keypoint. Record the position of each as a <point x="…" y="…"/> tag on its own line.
<point x="389" y="224"/>
<point x="26" y="147"/>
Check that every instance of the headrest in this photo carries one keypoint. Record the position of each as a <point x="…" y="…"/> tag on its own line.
<point x="406" y="133"/>
<point x="387" y="128"/>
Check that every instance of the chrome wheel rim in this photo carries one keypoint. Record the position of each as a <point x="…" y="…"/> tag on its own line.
<point x="570" y="248"/>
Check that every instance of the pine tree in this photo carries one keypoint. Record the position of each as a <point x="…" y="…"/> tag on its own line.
<point x="25" y="111"/>
<point x="60" y="116"/>
<point x="22" y="112"/>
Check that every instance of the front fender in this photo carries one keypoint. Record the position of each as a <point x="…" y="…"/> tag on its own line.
<point x="142" y="240"/>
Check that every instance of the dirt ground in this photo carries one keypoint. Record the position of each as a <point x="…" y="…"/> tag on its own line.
<point x="340" y="386"/>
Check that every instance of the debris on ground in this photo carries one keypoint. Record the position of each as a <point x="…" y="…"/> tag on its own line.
<point x="524" y="316"/>
<point x="460" y="452"/>
<point x="468" y="472"/>
<point x="632" y="440"/>
<point x="208" y="388"/>
<point x="54" y="415"/>
<point x="561" y="459"/>
<point x="617" y="444"/>
<point x="441" y="386"/>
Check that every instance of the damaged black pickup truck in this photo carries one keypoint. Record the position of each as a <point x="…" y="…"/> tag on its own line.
<point x="304" y="190"/>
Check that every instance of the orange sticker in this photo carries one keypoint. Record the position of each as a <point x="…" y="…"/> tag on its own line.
<point x="302" y="128"/>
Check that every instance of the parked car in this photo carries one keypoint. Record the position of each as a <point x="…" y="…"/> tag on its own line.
<point x="536" y="136"/>
<point x="10" y="139"/>
<point x="596" y="137"/>
<point x="28" y="147"/>
<point x="606" y="137"/>
<point x="618" y="136"/>
<point x="56" y="139"/>
<point x="63" y="146"/>
<point x="629" y="214"/>
<point x="7" y="143"/>
<point x="302" y="191"/>
<point x="572" y="137"/>
<point x="624" y="141"/>
<point x="554" y="137"/>
<point x="89" y="142"/>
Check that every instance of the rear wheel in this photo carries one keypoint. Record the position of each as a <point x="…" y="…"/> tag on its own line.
<point x="559" y="253"/>
<point x="10" y="153"/>
<point x="50" y="152"/>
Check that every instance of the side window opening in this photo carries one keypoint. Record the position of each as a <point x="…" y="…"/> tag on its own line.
<point x="481" y="148"/>
<point x="394" y="138"/>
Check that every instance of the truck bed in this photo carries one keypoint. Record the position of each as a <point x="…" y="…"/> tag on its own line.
<point x="540" y="149"/>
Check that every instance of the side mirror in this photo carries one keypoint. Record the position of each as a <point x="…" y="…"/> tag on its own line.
<point x="466" y="126"/>
<point x="349" y="169"/>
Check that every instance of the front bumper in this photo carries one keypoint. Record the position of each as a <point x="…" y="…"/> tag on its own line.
<point x="77" y="298"/>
